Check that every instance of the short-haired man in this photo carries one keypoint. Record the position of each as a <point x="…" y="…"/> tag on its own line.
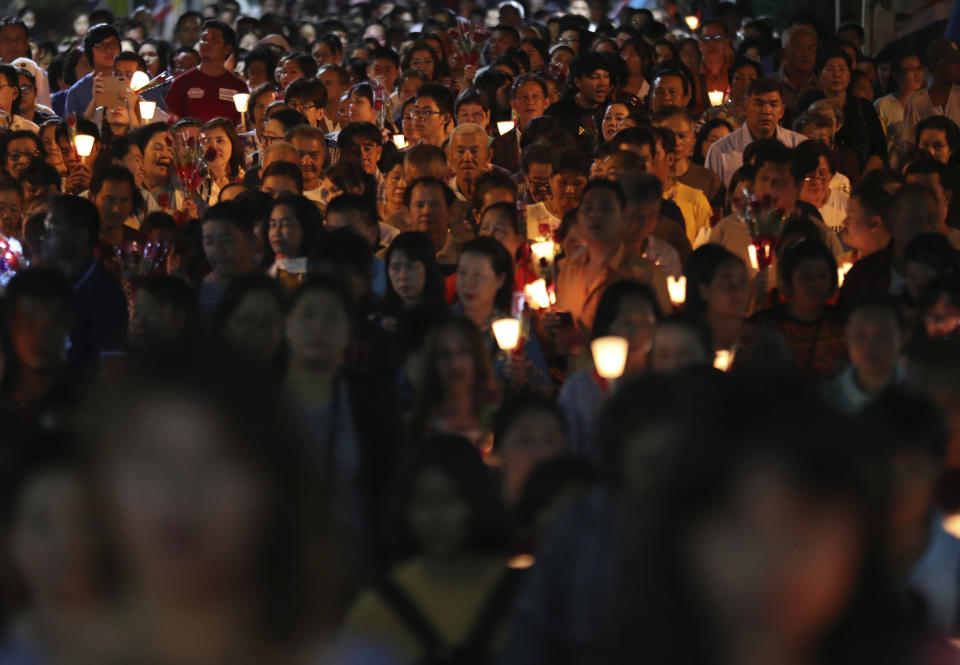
<point x="428" y="203"/>
<point x="568" y="176"/>
<point x="468" y="156"/>
<point x="115" y="193"/>
<point x="644" y="196"/>
<point x="309" y="97"/>
<point x="764" y="112"/>
<point x="311" y="144"/>
<point x="359" y="143"/>
<point x="336" y="80"/>
<point x="228" y="243"/>
<point x="384" y="64"/>
<point x="799" y="60"/>
<point x="71" y="231"/>
<point x="865" y="228"/>
<point x="681" y="122"/>
<point x="581" y="114"/>
<point x="207" y="92"/>
<point x="671" y="87"/>
<point x="101" y="45"/>
<point x="433" y="113"/>
<point x="943" y="180"/>
<point x="942" y="97"/>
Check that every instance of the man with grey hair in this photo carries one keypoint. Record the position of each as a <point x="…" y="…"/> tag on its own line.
<point x="799" y="58"/>
<point x="468" y="154"/>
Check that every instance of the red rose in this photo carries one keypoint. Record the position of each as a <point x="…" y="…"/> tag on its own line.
<point x="163" y="198"/>
<point x="544" y="229"/>
<point x="480" y="35"/>
<point x="180" y="217"/>
<point x="72" y="120"/>
<point x="210" y="154"/>
<point x="191" y="141"/>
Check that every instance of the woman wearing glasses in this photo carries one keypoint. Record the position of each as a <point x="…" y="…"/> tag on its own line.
<point x="10" y="99"/>
<point x="422" y="58"/>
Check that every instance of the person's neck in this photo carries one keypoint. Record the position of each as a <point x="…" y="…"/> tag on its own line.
<point x="332" y="115"/>
<point x="434" y="139"/>
<point x="478" y="313"/>
<point x="458" y="404"/>
<point x="182" y="631"/>
<point x="795" y="77"/>
<point x="837" y="98"/>
<point x="756" y="135"/>
<point x="311" y="385"/>
<point x="599" y="254"/>
<point x="211" y="68"/>
<point x="33" y="384"/>
<point x="465" y="185"/>
<point x="156" y="181"/>
<point x="74" y="268"/>
<point x="112" y="235"/>
<point x="805" y="313"/>
<point x="872" y="385"/>
<point x="554" y="208"/>
<point x="908" y="543"/>
<point x="680" y="167"/>
<point x="218" y="173"/>
<point x="584" y="103"/>
<point x="714" y="66"/>
<point x="940" y="86"/>
<point x="725" y="330"/>
<point x="116" y="128"/>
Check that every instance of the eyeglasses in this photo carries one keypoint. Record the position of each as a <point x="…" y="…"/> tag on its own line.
<point x="302" y="106"/>
<point x="569" y="40"/>
<point x="107" y="45"/>
<point x="26" y="88"/>
<point x="423" y="113"/>
<point x="267" y="139"/>
<point x="711" y="38"/>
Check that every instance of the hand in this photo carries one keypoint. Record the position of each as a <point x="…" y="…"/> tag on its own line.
<point x="78" y="180"/>
<point x="98" y="85"/>
<point x="190" y="209"/>
<point x="516" y="370"/>
<point x="469" y="72"/>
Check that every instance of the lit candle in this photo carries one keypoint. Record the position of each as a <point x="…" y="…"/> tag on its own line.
<point x="752" y="253"/>
<point x="677" y="287"/>
<point x="241" y="100"/>
<point x="609" y="356"/>
<point x="138" y="80"/>
<point x="505" y="127"/>
<point x="400" y="141"/>
<point x="692" y="22"/>
<point x="84" y="144"/>
<point x="536" y="293"/>
<point x="543" y="250"/>
<point x="722" y="359"/>
<point x="147" y="109"/>
<point x="507" y="333"/>
<point x="716" y="97"/>
<point x="842" y="272"/>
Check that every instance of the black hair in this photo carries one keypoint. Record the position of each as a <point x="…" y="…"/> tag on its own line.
<point x="78" y="213"/>
<point x="345" y="203"/>
<point x="809" y="156"/>
<point x="311" y="88"/>
<point x="307" y="215"/>
<point x="383" y="53"/>
<point x="537" y="153"/>
<point x="306" y="63"/>
<point x="501" y="263"/>
<point x="913" y="421"/>
<point x="355" y="131"/>
<point x="701" y="269"/>
<point x="115" y="173"/>
<point x="763" y="86"/>
<point x="337" y="252"/>
<point x="287" y="117"/>
<point x="229" y="36"/>
<point x="96" y="34"/>
<point x="771" y="151"/>
<point x="448" y="195"/>
<point x="933" y="250"/>
<point x="943" y="124"/>
<point x="417" y="247"/>
<point x="874" y="198"/>
<point x="235" y="163"/>
<point x="232" y="213"/>
<point x="603" y="183"/>
<point x="285" y="170"/>
<point x="265" y="55"/>
<point x="40" y="174"/>
<point x="793" y="256"/>
<point x="518" y="404"/>
<point x="47" y="452"/>
<point x="635" y="136"/>
<point x="158" y="220"/>
<point x="608" y="308"/>
<point x="37" y="282"/>
<point x="571" y="161"/>
<point x="238" y="290"/>
<point x="491" y="180"/>
<point x="831" y="54"/>
<point x="463" y="466"/>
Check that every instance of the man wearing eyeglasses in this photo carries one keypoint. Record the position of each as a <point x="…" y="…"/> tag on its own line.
<point x="101" y="45"/>
<point x="715" y="61"/>
<point x="433" y="114"/>
<point x="206" y="92"/>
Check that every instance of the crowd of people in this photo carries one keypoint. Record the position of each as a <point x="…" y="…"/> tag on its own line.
<point x="303" y="347"/>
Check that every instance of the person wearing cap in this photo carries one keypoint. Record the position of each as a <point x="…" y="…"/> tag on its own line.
<point x="942" y="97"/>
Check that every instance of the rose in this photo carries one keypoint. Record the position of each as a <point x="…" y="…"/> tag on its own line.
<point x="210" y="154"/>
<point x="544" y="229"/>
<point x="163" y="199"/>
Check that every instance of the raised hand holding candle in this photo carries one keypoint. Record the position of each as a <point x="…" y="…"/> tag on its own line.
<point x="400" y="141"/>
<point x="147" y="109"/>
<point x="537" y="295"/>
<point x="84" y="144"/>
<point x="677" y="287"/>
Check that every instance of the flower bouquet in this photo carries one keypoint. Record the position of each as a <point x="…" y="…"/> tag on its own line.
<point x="11" y="259"/>
<point x="468" y="40"/>
<point x="190" y="160"/>
<point x="137" y="260"/>
<point x="764" y="223"/>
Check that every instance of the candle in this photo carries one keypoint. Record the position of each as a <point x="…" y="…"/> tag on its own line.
<point x="84" y="144"/>
<point x="609" y="356"/>
<point x="543" y="250"/>
<point x="842" y="272"/>
<point x="536" y="293"/>
<point x="752" y="252"/>
<point x="241" y="100"/>
<point x="400" y="141"/>
<point x="677" y="287"/>
<point x="147" y="109"/>
<point x="505" y="127"/>
<point x="507" y="333"/>
<point x="138" y="80"/>
<point x="716" y="97"/>
<point x="692" y="22"/>
<point x="722" y="359"/>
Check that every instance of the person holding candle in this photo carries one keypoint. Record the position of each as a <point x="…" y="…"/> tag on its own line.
<point x="626" y="309"/>
<point x="907" y="78"/>
<point x="581" y="280"/>
<point x="568" y="177"/>
<point x="484" y="288"/>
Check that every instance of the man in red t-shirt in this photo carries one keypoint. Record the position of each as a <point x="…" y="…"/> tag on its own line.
<point x="207" y="91"/>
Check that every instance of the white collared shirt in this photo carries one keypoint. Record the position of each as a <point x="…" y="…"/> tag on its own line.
<point x="726" y="155"/>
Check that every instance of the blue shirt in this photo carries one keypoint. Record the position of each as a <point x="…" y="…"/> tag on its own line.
<point x="58" y="101"/>
<point x="79" y="95"/>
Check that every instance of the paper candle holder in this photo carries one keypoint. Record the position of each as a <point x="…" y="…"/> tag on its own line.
<point x="507" y="333"/>
<point x="609" y="356"/>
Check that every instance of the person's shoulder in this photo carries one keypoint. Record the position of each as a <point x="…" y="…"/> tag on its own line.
<point x="790" y="137"/>
<point x="86" y="79"/>
<point x="728" y="143"/>
<point x="234" y="78"/>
